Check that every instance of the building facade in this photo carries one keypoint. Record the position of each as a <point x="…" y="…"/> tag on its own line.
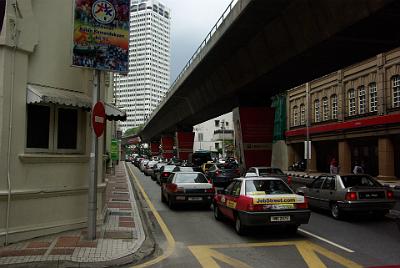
<point x="45" y="130"/>
<point x="353" y="115"/>
<point x="215" y="134"/>
<point x="148" y="80"/>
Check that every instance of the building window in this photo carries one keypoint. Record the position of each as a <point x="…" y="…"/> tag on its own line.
<point x="334" y="105"/>
<point x="362" y="103"/>
<point x="54" y="129"/>
<point x="352" y="102"/>
<point x="295" y="116"/>
<point x="373" y="98"/>
<point x="216" y="145"/>
<point x="325" y="109"/>
<point x="200" y="136"/>
<point x="217" y="123"/>
<point x="302" y="114"/>
<point x="396" y="91"/>
<point x="317" y="117"/>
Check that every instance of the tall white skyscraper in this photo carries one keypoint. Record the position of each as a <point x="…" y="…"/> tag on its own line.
<point x="148" y="80"/>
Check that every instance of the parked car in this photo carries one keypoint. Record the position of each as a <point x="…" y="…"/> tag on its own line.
<point x="348" y="193"/>
<point x="187" y="187"/>
<point x="148" y="171"/>
<point x="156" y="170"/>
<point x="269" y="172"/>
<point x="137" y="160"/>
<point x="221" y="175"/>
<point x="164" y="173"/>
<point x="143" y="164"/>
<point x="261" y="201"/>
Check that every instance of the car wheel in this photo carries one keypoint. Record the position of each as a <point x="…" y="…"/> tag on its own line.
<point x="217" y="213"/>
<point x="239" y="227"/>
<point x="163" y="197"/>
<point x="335" y="211"/>
<point x="171" y="204"/>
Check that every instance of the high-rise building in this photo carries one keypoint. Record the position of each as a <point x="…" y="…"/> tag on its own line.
<point x="148" y="80"/>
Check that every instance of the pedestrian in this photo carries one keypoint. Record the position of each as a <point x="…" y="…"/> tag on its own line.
<point x="333" y="168"/>
<point x="358" y="169"/>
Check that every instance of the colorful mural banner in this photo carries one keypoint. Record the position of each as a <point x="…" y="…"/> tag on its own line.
<point x="101" y="35"/>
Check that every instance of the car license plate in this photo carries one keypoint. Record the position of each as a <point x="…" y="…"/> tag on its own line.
<point x="195" y="198"/>
<point x="280" y="218"/>
<point x="282" y="206"/>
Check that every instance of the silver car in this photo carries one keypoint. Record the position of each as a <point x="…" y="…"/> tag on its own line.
<point x="348" y="193"/>
<point x="187" y="187"/>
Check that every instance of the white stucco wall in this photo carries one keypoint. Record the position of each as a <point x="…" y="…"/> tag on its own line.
<point x="48" y="191"/>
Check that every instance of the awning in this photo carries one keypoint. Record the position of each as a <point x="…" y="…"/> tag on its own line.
<point x="113" y="113"/>
<point x="42" y="94"/>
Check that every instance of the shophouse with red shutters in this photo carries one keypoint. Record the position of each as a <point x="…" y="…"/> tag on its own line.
<point x="353" y="115"/>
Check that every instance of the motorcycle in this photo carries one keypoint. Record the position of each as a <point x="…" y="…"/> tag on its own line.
<point x="299" y="166"/>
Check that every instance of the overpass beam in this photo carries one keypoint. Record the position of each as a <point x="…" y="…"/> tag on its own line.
<point x="254" y="128"/>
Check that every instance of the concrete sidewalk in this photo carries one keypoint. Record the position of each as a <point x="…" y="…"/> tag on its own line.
<point x="118" y="238"/>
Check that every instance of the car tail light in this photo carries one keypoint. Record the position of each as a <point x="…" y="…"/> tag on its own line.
<point x="174" y="188"/>
<point x="303" y="205"/>
<point x="389" y="194"/>
<point x="218" y="172"/>
<point x="250" y="206"/>
<point x="237" y="171"/>
<point x="351" y="196"/>
<point x="210" y="190"/>
<point x="289" y="180"/>
<point x="165" y="174"/>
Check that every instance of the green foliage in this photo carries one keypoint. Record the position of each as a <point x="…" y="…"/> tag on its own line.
<point x="133" y="131"/>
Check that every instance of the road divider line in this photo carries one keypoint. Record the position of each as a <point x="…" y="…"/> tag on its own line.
<point x="326" y="240"/>
<point x="163" y="226"/>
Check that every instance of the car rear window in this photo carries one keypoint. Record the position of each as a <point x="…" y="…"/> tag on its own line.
<point x="357" y="180"/>
<point x="190" y="178"/>
<point x="267" y="171"/>
<point x="169" y="168"/>
<point x="228" y="166"/>
<point x="267" y="187"/>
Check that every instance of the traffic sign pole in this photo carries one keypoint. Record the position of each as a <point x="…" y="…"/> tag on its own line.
<point x="92" y="196"/>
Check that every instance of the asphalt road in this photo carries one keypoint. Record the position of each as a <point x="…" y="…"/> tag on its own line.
<point x="191" y="237"/>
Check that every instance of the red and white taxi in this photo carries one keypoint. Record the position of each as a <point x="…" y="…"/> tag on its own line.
<point x="261" y="201"/>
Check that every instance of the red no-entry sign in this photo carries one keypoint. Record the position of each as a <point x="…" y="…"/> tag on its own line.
<point x="98" y="118"/>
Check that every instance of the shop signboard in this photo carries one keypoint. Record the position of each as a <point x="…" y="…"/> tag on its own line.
<point x="101" y="35"/>
<point x="114" y="150"/>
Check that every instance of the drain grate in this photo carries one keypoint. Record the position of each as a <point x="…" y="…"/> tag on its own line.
<point x="120" y="213"/>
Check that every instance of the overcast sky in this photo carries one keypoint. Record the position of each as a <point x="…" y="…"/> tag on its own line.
<point x="191" y="20"/>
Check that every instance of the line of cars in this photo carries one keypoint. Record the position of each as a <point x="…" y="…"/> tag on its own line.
<point x="248" y="202"/>
<point x="263" y="197"/>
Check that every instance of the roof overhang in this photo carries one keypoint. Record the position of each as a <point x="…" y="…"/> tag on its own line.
<point x="36" y="94"/>
<point x="43" y="94"/>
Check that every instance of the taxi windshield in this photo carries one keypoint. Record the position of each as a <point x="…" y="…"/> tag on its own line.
<point x="267" y="187"/>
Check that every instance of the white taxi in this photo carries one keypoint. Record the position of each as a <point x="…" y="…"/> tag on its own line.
<point x="261" y="201"/>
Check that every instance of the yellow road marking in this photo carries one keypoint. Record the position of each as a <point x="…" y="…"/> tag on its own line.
<point x="163" y="226"/>
<point x="206" y="255"/>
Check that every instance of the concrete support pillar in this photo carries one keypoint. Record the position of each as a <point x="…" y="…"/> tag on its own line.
<point x="253" y="135"/>
<point x="184" y="142"/>
<point x="386" y="159"/>
<point x="167" y="145"/>
<point x="344" y="157"/>
<point x="155" y="148"/>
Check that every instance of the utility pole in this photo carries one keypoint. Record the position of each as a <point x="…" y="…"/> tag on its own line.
<point x="223" y="137"/>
